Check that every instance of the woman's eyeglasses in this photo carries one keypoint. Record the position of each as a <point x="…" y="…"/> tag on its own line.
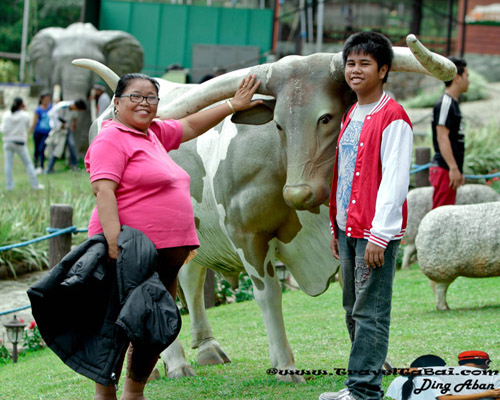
<point x="137" y="98"/>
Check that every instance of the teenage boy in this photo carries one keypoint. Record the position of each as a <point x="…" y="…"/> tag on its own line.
<point x="368" y="209"/>
<point x="446" y="175"/>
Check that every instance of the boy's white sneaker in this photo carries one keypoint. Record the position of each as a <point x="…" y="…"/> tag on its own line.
<point x="344" y="394"/>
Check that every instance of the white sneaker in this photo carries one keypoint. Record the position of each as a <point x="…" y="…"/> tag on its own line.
<point x="344" y="394"/>
<point x="38" y="170"/>
<point x="39" y="187"/>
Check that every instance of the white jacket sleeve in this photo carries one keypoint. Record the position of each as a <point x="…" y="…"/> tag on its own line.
<point x="395" y="155"/>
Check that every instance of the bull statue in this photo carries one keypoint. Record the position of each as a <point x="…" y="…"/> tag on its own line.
<point x="260" y="188"/>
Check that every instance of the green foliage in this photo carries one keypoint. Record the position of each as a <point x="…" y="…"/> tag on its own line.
<point x="477" y="91"/>
<point x="32" y="340"/>
<point x="4" y="354"/>
<point x="9" y="71"/>
<point x="482" y="152"/>
<point x="225" y="294"/>
<point x="25" y="213"/>
<point x="42" y="14"/>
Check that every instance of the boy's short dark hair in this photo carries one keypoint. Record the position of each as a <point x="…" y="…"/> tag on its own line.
<point x="372" y="43"/>
<point x="460" y="63"/>
<point x="80" y="104"/>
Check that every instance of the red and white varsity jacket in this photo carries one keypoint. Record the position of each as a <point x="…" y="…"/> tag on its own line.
<point x="377" y="208"/>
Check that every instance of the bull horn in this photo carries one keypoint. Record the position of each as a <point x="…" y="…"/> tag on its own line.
<point x="110" y="77"/>
<point x="418" y="59"/>
<point x="414" y="58"/>
<point x="212" y="91"/>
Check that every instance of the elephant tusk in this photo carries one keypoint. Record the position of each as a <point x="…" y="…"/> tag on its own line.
<point x="110" y="77"/>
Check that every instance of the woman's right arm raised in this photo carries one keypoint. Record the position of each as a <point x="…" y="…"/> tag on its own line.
<point x="107" y="209"/>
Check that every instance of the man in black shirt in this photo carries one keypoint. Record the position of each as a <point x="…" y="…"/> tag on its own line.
<point x="446" y="174"/>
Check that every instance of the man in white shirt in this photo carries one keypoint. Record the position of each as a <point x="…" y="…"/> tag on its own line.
<point x="62" y="119"/>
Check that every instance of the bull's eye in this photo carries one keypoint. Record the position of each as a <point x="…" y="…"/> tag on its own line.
<point x="325" y="119"/>
<point x="279" y="127"/>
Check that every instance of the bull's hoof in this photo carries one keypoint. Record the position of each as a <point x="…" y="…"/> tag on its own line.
<point x="180" y="371"/>
<point x="155" y="375"/>
<point x="210" y="353"/>
<point x="290" y="377"/>
<point x="442" y="307"/>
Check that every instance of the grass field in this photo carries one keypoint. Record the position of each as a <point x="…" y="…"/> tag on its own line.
<point x="315" y="326"/>
<point x="317" y="335"/>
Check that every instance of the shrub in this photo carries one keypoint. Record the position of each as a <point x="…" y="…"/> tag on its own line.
<point x="4" y="354"/>
<point x="32" y="338"/>
<point x="9" y="71"/>
<point x="482" y="153"/>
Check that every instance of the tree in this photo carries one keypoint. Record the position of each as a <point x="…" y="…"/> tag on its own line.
<point x="43" y="14"/>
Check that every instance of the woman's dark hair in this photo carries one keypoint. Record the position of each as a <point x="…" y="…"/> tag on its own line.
<point x="372" y="43"/>
<point x="127" y="78"/>
<point x="42" y="95"/>
<point x="16" y="104"/>
<point x="429" y="360"/>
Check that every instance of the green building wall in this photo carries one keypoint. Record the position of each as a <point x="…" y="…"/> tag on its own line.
<point x="168" y="32"/>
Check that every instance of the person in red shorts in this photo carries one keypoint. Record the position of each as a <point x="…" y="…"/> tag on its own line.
<point x="446" y="173"/>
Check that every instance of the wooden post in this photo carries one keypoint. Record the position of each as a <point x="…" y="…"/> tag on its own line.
<point x="61" y="216"/>
<point x="422" y="157"/>
<point x="209" y="289"/>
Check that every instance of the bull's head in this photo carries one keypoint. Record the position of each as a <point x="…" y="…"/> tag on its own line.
<point x="310" y="97"/>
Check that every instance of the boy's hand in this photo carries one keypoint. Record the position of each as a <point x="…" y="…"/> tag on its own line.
<point x="374" y="255"/>
<point x="334" y="247"/>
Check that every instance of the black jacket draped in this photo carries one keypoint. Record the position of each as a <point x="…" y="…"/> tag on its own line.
<point x="88" y="309"/>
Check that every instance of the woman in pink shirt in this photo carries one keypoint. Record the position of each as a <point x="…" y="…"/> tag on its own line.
<point x="136" y="183"/>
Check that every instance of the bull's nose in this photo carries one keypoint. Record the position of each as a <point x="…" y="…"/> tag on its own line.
<point x="297" y="196"/>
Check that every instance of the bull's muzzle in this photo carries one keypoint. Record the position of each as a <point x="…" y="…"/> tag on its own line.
<point x="298" y="196"/>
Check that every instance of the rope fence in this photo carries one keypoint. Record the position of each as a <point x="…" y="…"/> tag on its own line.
<point x="423" y="167"/>
<point x="53" y="232"/>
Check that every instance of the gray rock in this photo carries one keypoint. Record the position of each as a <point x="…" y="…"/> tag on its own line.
<point x="457" y="241"/>
<point x="420" y="203"/>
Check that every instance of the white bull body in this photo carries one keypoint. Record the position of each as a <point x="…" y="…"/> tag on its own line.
<point x="238" y="174"/>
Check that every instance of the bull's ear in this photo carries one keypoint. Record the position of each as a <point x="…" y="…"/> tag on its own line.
<point x="258" y="115"/>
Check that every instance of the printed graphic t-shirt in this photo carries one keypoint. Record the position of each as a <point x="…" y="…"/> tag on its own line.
<point x="347" y="154"/>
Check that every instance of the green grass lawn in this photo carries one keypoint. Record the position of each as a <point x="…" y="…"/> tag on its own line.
<point x="317" y="335"/>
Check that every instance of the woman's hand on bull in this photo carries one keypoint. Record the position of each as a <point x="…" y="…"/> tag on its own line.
<point x="242" y="99"/>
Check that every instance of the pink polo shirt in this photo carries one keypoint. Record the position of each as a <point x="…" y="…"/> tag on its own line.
<point x="153" y="191"/>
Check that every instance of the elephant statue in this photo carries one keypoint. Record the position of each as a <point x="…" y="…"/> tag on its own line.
<point x="52" y="49"/>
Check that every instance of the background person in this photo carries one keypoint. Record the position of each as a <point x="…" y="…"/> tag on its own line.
<point x="41" y="128"/>
<point x="402" y="388"/>
<point x="448" y="129"/>
<point x="470" y="380"/>
<point x="136" y="183"/>
<point x="367" y="208"/>
<point x="63" y="123"/>
<point x="102" y="98"/>
<point x="15" y="124"/>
